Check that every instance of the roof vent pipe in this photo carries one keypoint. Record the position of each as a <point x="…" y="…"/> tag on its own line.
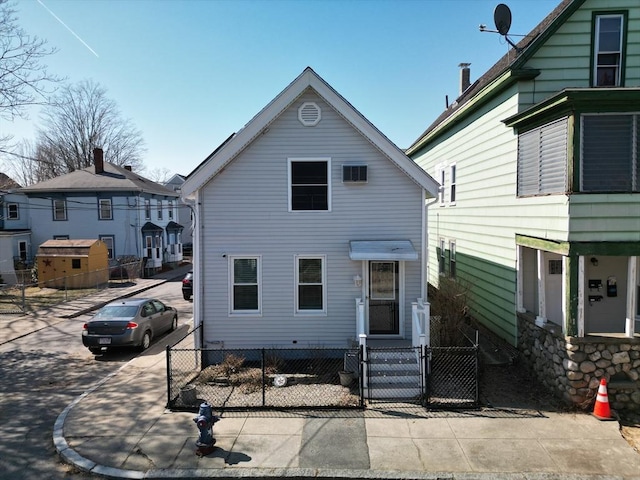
<point x="465" y="77"/>
<point x="98" y="160"/>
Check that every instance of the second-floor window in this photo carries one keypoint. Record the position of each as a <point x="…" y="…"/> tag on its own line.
<point x="609" y="153"/>
<point x="105" y="210"/>
<point x="543" y="159"/>
<point x="452" y="188"/>
<point x="13" y="212"/>
<point x="170" y="209"/>
<point x="310" y="184"/>
<point x="159" y="209"/>
<point x="608" y="50"/>
<point x="147" y="209"/>
<point x="59" y="210"/>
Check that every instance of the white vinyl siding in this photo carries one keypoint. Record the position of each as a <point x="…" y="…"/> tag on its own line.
<point x="609" y="153"/>
<point x="542" y="159"/>
<point x="310" y="285"/>
<point x="245" y="208"/>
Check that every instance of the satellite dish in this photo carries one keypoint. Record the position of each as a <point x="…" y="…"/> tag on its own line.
<point x="502" y="18"/>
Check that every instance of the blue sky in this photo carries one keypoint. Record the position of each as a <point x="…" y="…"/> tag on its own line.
<point x="188" y="73"/>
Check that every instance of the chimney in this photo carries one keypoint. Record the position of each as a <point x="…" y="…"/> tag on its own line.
<point x="98" y="160"/>
<point x="465" y="77"/>
<point x="127" y="167"/>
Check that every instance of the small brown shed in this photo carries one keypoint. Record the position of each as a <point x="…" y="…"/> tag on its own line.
<point x="72" y="264"/>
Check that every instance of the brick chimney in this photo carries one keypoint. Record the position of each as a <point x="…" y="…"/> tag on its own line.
<point x="98" y="160"/>
<point x="465" y="77"/>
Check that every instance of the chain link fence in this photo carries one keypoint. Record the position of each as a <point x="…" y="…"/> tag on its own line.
<point x="29" y="294"/>
<point x="259" y="378"/>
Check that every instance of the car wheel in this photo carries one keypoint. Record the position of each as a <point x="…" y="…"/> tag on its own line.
<point x="95" y="350"/>
<point x="146" y="340"/>
<point x="174" y="323"/>
<point x="186" y="296"/>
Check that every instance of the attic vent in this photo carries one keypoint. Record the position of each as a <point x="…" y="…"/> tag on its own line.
<point x="309" y="114"/>
<point x="354" y="173"/>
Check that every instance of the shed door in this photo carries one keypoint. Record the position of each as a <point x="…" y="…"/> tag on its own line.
<point x="384" y="292"/>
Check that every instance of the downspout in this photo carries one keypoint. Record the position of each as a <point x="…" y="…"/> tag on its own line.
<point x="425" y="244"/>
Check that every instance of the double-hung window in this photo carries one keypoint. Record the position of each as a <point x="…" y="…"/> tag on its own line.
<point x="441" y="258"/>
<point x="59" y="209"/>
<point x="452" y="259"/>
<point x="13" y="211"/>
<point x="442" y="188"/>
<point x="310" y="184"/>
<point x="245" y="285"/>
<point x="109" y="242"/>
<point x="105" y="210"/>
<point x="159" y="209"/>
<point x="452" y="187"/>
<point x="310" y="284"/>
<point x="147" y="209"/>
<point x="170" y="209"/>
<point x="608" y="50"/>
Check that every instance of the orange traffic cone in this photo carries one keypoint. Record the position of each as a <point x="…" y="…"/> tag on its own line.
<point x="601" y="409"/>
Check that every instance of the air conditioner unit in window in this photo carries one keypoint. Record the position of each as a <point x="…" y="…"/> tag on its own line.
<point x="354" y="173"/>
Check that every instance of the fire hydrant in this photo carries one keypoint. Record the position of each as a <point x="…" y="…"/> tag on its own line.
<point x="205" y="421"/>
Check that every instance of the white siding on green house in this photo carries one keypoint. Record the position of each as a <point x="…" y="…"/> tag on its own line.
<point x="244" y="211"/>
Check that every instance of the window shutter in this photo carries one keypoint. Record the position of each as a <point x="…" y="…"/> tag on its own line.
<point x="553" y="157"/>
<point x="528" y="158"/>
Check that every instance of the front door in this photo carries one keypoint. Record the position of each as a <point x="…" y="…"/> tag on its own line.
<point x="384" y="293"/>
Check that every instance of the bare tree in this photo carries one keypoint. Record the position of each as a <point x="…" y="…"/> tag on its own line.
<point x="82" y="118"/>
<point x="24" y="80"/>
<point x="158" y="175"/>
<point x="23" y="77"/>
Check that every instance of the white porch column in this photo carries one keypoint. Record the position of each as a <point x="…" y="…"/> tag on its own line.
<point x="542" y="302"/>
<point x="632" y="300"/>
<point x="580" y="311"/>
<point x="519" y="280"/>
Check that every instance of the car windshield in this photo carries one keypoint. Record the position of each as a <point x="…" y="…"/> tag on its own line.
<point x="117" y="311"/>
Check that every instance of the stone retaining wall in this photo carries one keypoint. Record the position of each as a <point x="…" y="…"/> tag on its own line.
<point x="574" y="366"/>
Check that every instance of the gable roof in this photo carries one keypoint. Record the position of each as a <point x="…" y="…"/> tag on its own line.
<point x="112" y="179"/>
<point x="512" y="61"/>
<point x="236" y="143"/>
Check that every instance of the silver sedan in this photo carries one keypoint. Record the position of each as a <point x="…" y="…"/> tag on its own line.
<point x="128" y="322"/>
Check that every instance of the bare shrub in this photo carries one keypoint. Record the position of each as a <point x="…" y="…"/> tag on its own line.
<point x="449" y="310"/>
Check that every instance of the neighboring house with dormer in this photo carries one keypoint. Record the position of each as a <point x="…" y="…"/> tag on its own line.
<point x="312" y="228"/>
<point x="540" y="207"/>
<point x="15" y="236"/>
<point x="134" y="216"/>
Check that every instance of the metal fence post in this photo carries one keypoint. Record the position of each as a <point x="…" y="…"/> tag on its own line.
<point x="264" y="379"/>
<point x="168" y="350"/>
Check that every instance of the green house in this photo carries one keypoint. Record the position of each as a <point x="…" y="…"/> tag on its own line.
<point x="539" y="208"/>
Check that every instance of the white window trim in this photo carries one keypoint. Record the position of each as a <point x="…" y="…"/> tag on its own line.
<point x="441" y="178"/>
<point x="64" y="210"/>
<point x="147" y="209"/>
<point x="17" y="205"/>
<point x="100" y="202"/>
<point x="452" y="259"/>
<point x="309" y="159"/>
<point x="310" y="313"/>
<point x="244" y="313"/>
<point x="159" y="209"/>
<point x="113" y="245"/>
<point x="453" y="182"/>
<point x="596" y="49"/>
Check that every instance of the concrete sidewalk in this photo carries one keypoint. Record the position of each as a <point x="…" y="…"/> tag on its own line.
<point x="120" y="428"/>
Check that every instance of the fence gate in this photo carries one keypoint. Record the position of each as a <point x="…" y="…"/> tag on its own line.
<point x="452" y="379"/>
<point x="395" y="375"/>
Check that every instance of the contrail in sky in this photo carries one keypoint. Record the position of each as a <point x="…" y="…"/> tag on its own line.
<point x="65" y="26"/>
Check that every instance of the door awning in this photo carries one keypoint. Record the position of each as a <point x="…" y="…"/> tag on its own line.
<point x="382" y="250"/>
